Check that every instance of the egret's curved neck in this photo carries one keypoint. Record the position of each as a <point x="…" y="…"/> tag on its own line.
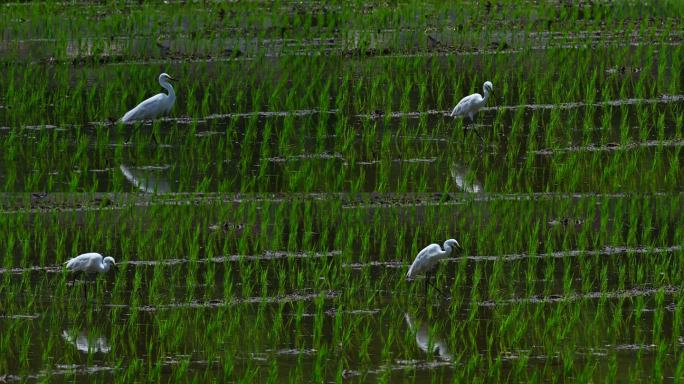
<point x="447" y="249"/>
<point x="486" y="93"/>
<point x="169" y="88"/>
<point x="105" y="266"/>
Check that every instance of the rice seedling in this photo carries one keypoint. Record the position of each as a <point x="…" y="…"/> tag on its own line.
<point x="308" y="157"/>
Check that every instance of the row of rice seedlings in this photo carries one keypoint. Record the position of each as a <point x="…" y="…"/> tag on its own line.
<point x="403" y="102"/>
<point x="163" y="286"/>
<point x="286" y="134"/>
<point x="40" y="245"/>
<point x="166" y="232"/>
<point x="83" y="179"/>
<point x="146" y="31"/>
<point x="195" y="241"/>
<point x="76" y="98"/>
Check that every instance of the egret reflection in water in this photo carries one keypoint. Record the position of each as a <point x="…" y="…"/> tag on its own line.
<point x="85" y="343"/>
<point x="146" y="179"/>
<point x="425" y="340"/>
<point x="465" y="179"/>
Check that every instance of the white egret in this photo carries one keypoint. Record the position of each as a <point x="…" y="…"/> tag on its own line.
<point x="156" y="105"/>
<point x="469" y="105"/>
<point x="90" y="263"/>
<point x="428" y="258"/>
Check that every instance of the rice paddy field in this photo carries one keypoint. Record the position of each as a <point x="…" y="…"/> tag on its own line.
<point x="263" y="230"/>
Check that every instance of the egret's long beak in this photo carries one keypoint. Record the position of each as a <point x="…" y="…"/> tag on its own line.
<point x="172" y="79"/>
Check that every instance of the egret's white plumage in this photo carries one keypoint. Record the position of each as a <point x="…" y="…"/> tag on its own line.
<point x="90" y="263"/>
<point x="469" y="105"/>
<point x="429" y="257"/>
<point x="159" y="104"/>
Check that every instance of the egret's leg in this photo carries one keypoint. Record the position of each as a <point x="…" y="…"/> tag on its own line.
<point x="478" y="134"/>
<point x="131" y="132"/>
<point x="427" y="281"/>
<point x="474" y="128"/>
<point x="84" y="284"/>
<point x="106" y="284"/>
<point x="427" y="277"/>
<point x="439" y="290"/>
<point x="93" y="280"/>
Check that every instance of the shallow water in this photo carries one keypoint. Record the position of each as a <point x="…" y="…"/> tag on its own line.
<point x="266" y="234"/>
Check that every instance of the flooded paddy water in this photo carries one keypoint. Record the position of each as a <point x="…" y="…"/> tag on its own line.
<point x="263" y="230"/>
